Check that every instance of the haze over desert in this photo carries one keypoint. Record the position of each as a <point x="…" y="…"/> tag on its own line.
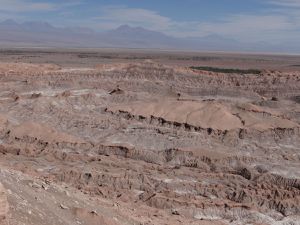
<point x="149" y="112"/>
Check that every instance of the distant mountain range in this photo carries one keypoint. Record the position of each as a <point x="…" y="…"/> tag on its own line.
<point x="42" y="34"/>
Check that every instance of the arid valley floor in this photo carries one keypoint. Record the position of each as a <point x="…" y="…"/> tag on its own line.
<point x="136" y="137"/>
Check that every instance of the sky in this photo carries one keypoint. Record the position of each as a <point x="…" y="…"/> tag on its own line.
<point x="271" y="21"/>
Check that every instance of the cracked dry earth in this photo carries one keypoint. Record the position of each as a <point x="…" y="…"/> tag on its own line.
<point x="146" y="143"/>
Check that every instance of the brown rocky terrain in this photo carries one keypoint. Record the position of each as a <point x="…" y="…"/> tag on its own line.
<point x="148" y="143"/>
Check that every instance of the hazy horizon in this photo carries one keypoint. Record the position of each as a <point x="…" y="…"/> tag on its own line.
<point x="261" y="26"/>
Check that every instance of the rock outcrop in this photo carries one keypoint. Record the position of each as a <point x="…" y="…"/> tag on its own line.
<point x="4" y="207"/>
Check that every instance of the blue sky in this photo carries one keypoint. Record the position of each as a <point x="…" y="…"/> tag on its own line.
<point x="272" y="21"/>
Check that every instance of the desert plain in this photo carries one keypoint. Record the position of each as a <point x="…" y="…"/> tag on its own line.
<point x="140" y="137"/>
